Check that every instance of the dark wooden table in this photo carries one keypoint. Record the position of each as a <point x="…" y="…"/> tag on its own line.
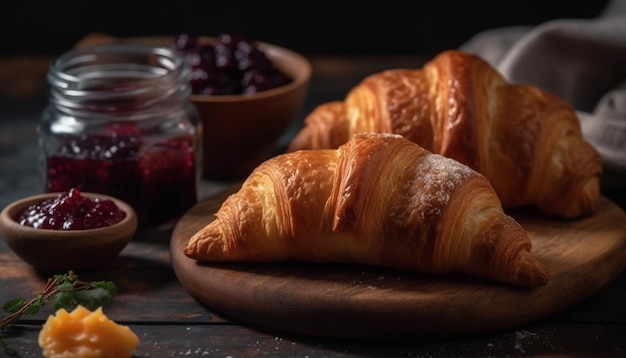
<point x="170" y="323"/>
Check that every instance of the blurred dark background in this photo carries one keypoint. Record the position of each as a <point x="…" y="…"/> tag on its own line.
<point x="35" y="30"/>
<point x="311" y="27"/>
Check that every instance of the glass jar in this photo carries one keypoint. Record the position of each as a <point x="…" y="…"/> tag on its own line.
<point x="119" y="122"/>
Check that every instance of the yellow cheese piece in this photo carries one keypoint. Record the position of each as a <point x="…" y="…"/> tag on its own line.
<point x="83" y="333"/>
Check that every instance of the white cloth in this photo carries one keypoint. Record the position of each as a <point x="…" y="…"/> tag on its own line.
<point x="584" y="62"/>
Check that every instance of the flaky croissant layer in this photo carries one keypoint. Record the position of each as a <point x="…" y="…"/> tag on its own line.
<point x="526" y="141"/>
<point x="380" y="199"/>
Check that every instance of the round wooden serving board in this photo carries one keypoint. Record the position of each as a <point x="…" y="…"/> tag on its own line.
<point x="357" y="301"/>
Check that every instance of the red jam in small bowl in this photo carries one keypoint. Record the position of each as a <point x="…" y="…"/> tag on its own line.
<point x="71" y="211"/>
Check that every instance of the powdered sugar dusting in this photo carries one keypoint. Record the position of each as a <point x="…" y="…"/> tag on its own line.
<point x="437" y="178"/>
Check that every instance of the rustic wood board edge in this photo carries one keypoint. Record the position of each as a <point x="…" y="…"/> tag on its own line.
<point x="355" y="301"/>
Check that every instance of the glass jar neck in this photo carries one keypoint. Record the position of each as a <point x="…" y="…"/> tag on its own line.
<point x="118" y="80"/>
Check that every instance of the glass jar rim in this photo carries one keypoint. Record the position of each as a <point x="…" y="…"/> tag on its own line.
<point x="118" y="79"/>
<point x="62" y="72"/>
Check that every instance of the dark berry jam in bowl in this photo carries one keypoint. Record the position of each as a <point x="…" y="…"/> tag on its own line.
<point x="243" y="122"/>
<point x="71" y="211"/>
<point x="230" y="65"/>
<point x="70" y="230"/>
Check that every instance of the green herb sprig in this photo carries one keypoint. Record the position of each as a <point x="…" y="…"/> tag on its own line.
<point x="63" y="291"/>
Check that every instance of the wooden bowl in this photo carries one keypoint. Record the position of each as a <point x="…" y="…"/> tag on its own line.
<point x="64" y="250"/>
<point x="240" y="131"/>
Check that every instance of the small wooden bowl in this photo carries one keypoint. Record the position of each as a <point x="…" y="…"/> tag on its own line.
<point x="47" y="249"/>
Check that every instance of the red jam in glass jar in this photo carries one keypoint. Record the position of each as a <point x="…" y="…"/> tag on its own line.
<point x="120" y="123"/>
<point x="71" y="211"/>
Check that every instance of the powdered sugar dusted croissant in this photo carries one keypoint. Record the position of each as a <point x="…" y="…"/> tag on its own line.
<point x="526" y="141"/>
<point x="380" y="199"/>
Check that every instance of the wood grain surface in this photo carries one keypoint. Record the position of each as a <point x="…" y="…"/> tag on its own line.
<point x="357" y="301"/>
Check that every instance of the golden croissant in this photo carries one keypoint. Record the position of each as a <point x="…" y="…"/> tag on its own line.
<point x="379" y="200"/>
<point x="526" y="141"/>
